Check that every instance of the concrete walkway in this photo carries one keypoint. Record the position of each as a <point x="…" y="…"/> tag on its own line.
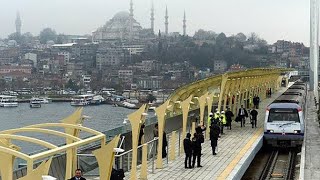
<point x="232" y="146"/>
<point x="312" y="142"/>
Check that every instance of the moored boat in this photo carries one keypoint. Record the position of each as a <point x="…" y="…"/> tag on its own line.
<point x="8" y="101"/>
<point x="35" y="104"/>
<point x="97" y="99"/>
<point x="81" y="100"/>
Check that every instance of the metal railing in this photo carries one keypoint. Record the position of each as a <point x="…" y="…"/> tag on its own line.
<point x="88" y="163"/>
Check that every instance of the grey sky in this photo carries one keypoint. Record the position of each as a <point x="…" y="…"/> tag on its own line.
<point x="271" y="19"/>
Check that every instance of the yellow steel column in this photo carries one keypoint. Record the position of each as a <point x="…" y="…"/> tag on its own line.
<point x="160" y="111"/>
<point x="226" y="93"/>
<point x="202" y="103"/>
<point x="185" y="106"/>
<point x="135" y="119"/>
<point x="173" y="146"/>
<point x="6" y="166"/>
<point x="224" y="80"/>
<point x="42" y="169"/>
<point x="232" y="91"/>
<point x="209" y="103"/>
<point x="193" y="128"/>
<point x="236" y="93"/>
<point x="144" y="167"/>
<point x="71" y="156"/>
<point x="105" y="158"/>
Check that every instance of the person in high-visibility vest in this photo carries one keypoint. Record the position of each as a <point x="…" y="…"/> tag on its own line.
<point x="210" y="120"/>
<point x="223" y="120"/>
<point x="216" y="117"/>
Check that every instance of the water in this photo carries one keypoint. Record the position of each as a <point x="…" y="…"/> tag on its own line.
<point x="103" y="117"/>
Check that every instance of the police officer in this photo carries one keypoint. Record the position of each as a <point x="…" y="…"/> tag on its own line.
<point x="216" y="117"/>
<point x="210" y="120"/>
<point x="223" y="121"/>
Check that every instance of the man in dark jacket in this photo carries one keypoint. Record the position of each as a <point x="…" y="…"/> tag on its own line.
<point x="196" y="148"/>
<point x="214" y="135"/>
<point x="254" y="114"/>
<point x="187" y="145"/>
<point x="242" y="113"/>
<point x="78" y="175"/>
<point x="229" y="116"/>
<point x="164" y="145"/>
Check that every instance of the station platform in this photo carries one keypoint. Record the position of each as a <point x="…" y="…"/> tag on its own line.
<point x="236" y="150"/>
<point x="310" y="164"/>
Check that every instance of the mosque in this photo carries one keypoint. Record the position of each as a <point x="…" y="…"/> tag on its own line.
<point x="123" y="26"/>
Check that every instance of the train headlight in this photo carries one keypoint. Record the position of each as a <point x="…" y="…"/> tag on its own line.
<point x="270" y="131"/>
<point x="296" y="132"/>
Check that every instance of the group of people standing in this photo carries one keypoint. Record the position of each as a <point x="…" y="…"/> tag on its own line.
<point x="217" y="121"/>
<point x="193" y="148"/>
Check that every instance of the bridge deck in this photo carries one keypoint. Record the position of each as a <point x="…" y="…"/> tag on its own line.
<point x="232" y="147"/>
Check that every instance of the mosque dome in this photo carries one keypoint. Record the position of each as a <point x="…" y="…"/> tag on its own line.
<point x="121" y="26"/>
<point x="122" y="15"/>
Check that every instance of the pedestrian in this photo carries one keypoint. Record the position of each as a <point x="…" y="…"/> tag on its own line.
<point x="187" y="145"/>
<point x="242" y="113"/>
<point x="164" y="145"/>
<point x="258" y="102"/>
<point x="141" y="133"/>
<point x="210" y="118"/>
<point x="78" y="175"/>
<point x="197" y="140"/>
<point x="229" y="116"/>
<point x="254" y="115"/>
<point x="255" y="101"/>
<point x="216" y="116"/>
<point x="214" y="135"/>
<point x="155" y="131"/>
<point x="223" y="121"/>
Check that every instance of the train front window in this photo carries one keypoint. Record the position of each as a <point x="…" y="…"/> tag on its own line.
<point x="283" y="115"/>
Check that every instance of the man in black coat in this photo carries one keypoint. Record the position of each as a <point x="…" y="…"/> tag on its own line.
<point x="254" y="114"/>
<point x="196" y="148"/>
<point x="242" y="113"/>
<point x="187" y="145"/>
<point x="229" y="116"/>
<point x="214" y="135"/>
<point x="78" y="175"/>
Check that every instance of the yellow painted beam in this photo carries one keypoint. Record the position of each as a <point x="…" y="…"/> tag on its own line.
<point x="40" y="130"/>
<point x="173" y="146"/>
<point x="28" y="139"/>
<point x="65" y="147"/>
<point x="64" y="125"/>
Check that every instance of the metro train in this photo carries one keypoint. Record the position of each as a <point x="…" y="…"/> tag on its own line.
<point x="284" y="120"/>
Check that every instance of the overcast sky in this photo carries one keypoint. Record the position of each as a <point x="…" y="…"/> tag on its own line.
<point x="271" y="19"/>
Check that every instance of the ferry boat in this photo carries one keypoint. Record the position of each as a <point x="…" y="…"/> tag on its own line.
<point x="82" y="100"/>
<point x="42" y="100"/>
<point x="8" y="101"/>
<point x="97" y="99"/>
<point x="35" y="104"/>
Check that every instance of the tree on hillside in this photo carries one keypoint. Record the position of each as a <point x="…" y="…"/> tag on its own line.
<point x="47" y="34"/>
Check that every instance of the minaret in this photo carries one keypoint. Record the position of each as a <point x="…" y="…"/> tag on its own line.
<point x="152" y="18"/>
<point x="166" y="21"/>
<point x="18" y="24"/>
<point x="131" y="20"/>
<point x="184" y="24"/>
<point x="131" y="9"/>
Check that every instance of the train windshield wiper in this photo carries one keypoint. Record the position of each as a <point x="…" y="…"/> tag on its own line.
<point x="286" y="124"/>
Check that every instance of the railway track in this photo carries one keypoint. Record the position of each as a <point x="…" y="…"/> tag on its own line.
<point x="280" y="166"/>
